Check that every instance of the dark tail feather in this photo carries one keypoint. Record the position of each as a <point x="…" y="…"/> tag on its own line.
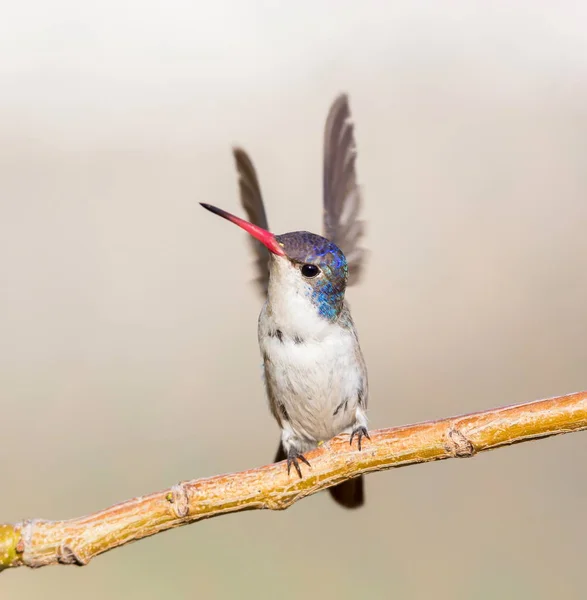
<point x="280" y="454"/>
<point x="350" y="494"/>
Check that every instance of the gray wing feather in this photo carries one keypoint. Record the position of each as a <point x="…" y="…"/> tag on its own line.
<point x="342" y="196"/>
<point x="252" y="202"/>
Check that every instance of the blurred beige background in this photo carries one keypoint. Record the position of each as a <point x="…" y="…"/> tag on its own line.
<point x="128" y="351"/>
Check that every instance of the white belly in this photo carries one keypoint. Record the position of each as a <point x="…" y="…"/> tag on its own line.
<point x="316" y="382"/>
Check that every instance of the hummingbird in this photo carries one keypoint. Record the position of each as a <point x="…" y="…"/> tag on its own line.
<point x="314" y="371"/>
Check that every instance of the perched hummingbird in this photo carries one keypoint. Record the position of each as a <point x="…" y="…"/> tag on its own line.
<point x="315" y="375"/>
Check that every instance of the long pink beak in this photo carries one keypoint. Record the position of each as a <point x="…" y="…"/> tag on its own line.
<point x="264" y="236"/>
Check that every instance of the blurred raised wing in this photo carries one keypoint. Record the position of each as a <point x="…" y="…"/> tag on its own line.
<point x="252" y="202"/>
<point x="342" y="196"/>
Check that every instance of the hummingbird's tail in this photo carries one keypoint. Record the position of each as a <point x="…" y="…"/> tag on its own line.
<point x="350" y="494"/>
<point x="281" y="455"/>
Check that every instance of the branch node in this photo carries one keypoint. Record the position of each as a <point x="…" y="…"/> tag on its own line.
<point x="25" y="544"/>
<point x="66" y="555"/>
<point x="20" y="546"/>
<point x="277" y="504"/>
<point x="26" y="534"/>
<point x="179" y="499"/>
<point x="458" y="445"/>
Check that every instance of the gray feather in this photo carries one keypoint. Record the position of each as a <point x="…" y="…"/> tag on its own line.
<point x="342" y="196"/>
<point x="252" y="202"/>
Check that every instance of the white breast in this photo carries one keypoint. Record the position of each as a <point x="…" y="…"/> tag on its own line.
<point x="313" y="370"/>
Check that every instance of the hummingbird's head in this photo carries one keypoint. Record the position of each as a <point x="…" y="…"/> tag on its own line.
<point x="303" y="266"/>
<point x="315" y="267"/>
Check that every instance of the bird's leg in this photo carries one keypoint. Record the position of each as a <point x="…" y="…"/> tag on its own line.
<point x="292" y="446"/>
<point x="359" y="429"/>
<point x="293" y="458"/>
<point x="360" y="432"/>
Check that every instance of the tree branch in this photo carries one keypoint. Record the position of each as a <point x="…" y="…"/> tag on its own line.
<point x="36" y="543"/>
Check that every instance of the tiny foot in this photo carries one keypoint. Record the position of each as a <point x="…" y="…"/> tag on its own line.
<point x="360" y="432"/>
<point x="293" y="458"/>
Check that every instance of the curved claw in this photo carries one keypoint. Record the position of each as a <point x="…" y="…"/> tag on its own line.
<point x="360" y="432"/>
<point x="293" y="458"/>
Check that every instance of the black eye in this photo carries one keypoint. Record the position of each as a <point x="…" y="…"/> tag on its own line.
<point x="310" y="270"/>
